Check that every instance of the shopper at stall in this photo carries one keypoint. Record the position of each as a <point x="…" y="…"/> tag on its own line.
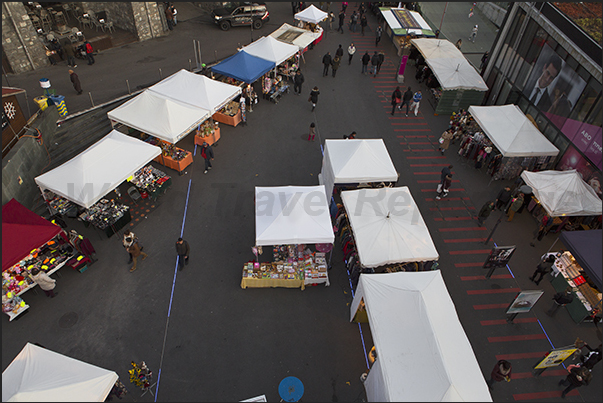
<point x="406" y="99"/>
<point x="561" y="299"/>
<point x="366" y="58"/>
<point x="515" y="205"/>
<point x="378" y="33"/>
<point x="503" y="197"/>
<point x="484" y="212"/>
<point x="70" y="53"/>
<point x="75" y="80"/>
<point x="208" y="155"/>
<point x="445" y="141"/>
<point x="169" y="16"/>
<point x="312" y="132"/>
<point x="396" y="99"/>
<point x="326" y="61"/>
<point x="45" y="282"/>
<point x="298" y="80"/>
<point x="593" y="357"/>
<point x="351" y="51"/>
<point x="331" y="19"/>
<point x="543" y="268"/>
<point x="578" y="376"/>
<point x="183" y="250"/>
<point x="335" y="65"/>
<point x="135" y="250"/>
<point x="314" y="97"/>
<point x="500" y="372"/>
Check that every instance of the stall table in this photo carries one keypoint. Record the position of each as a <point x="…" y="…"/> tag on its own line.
<point x="210" y="139"/>
<point x="160" y="190"/>
<point x="247" y="282"/>
<point x="226" y="119"/>
<point x="173" y="164"/>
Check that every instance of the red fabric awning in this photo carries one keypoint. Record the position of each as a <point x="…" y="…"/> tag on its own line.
<point x="22" y="231"/>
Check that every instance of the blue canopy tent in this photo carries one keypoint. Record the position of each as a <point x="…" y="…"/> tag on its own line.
<point x="243" y="67"/>
<point x="585" y="246"/>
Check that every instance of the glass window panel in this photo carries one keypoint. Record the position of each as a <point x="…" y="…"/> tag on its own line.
<point x="523" y="103"/>
<point x="524" y="73"/>
<point x="596" y="114"/>
<point x="561" y="52"/>
<point x="561" y="142"/>
<point x="517" y="22"/>
<point x="551" y="42"/>
<point x="573" y="63"/>
<point x="514" y="96"/>
<point x="583" y="73"/>
<point x="530" y="32"/>
<point x="541" y="121"/>
<point x="551" y="133"/>
<point x="585" y="102"/>
<point x="504" y="93"/>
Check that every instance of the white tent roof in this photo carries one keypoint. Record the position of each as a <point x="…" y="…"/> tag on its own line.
<point x="388" y="226"/>
<point x="448" y="64"/>
<point x="292" y="215"/>
<point x="40" y="375"/>
<point x="299" y="37"/>
<point x="423" y="353"/>
<point x="270" y="49"/>
<point x="86" y="178"/>
<point x="159" y="116"/>
<point x="512" y="132"/>
<point x="392" y="21"/>
<point x="563" y="193"/>
<point x="356" y="161"/>
<point x="197" y="90"/>
<point x="311" y="14"/>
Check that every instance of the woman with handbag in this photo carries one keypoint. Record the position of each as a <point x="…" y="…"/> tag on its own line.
<point x="396" y="98"/>
<point x="314" y="97"/>
<point x="445" y="140"/>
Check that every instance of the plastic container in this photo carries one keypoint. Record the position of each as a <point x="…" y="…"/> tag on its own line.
<point x="59" y="101"/>
<point x="44" y="83"/>
<point x="42" y="102"/>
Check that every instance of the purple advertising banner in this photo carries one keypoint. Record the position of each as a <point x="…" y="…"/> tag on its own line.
<point x="403" y="65"/>
<point x="593" y="152"/>
<point x="587" y="138"/>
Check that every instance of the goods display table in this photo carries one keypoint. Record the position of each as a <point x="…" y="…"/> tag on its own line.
<point x="178" y="165"/>
<point x="107" y="216"/>
<point x="209" y="138"/>
<point x="230" y="114"/>
<point x="151" y="180"/>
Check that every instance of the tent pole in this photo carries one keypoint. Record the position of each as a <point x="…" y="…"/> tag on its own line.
<point x="552" y="245"/>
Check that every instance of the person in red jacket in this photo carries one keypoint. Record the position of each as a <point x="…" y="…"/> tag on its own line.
<point x="89" y="51"/>
<point x="500" y="372"/>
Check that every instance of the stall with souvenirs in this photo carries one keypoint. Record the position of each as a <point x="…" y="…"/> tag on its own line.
<point x="579" y="266"/>
<point x="309" y="19"/>
<point x="290" y="219"/>
<point x="385" y="236"/>
<point x="401" y="25"/>
<point x="86" y="179"/>
<point x="502" y="139"/>
<point x="28" y="241"/>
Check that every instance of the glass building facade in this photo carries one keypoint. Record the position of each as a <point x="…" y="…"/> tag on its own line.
<point x="542" y="62"/>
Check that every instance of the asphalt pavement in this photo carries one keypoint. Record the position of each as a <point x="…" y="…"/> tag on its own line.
<point x="205" y="338"/>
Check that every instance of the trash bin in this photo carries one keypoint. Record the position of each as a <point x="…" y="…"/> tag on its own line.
<point x="44" y="83"/>
<point x="42" y="102"/>
<point x="59" y="101"/>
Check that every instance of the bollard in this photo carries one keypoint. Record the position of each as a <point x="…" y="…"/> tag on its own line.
<point x="91" y="101"/>
<point x="128" y="84"/>
<point x="160" y="75"/>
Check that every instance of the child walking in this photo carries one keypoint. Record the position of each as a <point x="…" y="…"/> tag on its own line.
<point x="312" y="133"/>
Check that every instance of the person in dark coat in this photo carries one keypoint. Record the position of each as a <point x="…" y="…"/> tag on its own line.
<point x="326" y="61"/>
<point x="208" y="154"/>
<point x="335" y="65"/>
<point x="339" y="52"/>
<point x="406" y="98"/>
<point x="169" y="16"/>
<point x="363" y="23"/>
<point x="396" y="98"/>
<point x="577" y="377"/>
<point x="341" y="20"/>
<point x="543" y="268"/>
<point x="378" y="33"/>
<point x="70" y="53"/>
<point x="500" y="372"/>
<point x="503" y="197"/>
<point x="75" y="80"/>
<point x="366" y="58"/>
<point x="484" y="212"/>
<point x="183" y="250"/>
<point x="561" y="299"/>
<point x="374" y="63"/>
<point x="593" y="357"/>
<point x="298" y="80"/>
<point x="381" y="60"/>
<point x="314" y="97"/>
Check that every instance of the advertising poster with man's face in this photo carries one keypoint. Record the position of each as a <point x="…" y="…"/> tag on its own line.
<point x="553" y="86"/>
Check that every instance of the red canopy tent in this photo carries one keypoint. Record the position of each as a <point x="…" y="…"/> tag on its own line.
<point x="22" y="231"/>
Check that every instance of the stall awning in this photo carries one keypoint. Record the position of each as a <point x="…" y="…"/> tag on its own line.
<point x="299" y="37"/>
<point x="423" y="353"/>
<point x="448" y="64"/>
<point x="311" y="14"/>
<point x="41" y="375"/>
<point x="197" y="90"/>
<point x="292" y="215"/>
<point x="388" y="227"/>
<point x="585" y="246"/>
<point x="162" y="117"/>
<point x="89" y="176"/>
<point x="22" y="231"/>
<point x="563" y="193"/>
<point x="243" y="67"/>
<point x="512" y="132"/>
<point x="270" y="49"/>
<point x="406" y="22"/>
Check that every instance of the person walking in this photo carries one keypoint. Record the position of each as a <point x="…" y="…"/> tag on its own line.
<point x="351" y="51"/>
<point x="89" y="52"/>
<point x="350" y="136"/>
<point x="484" y="212"/>
<point x="183" y="250"/>
<point x="396" y="99"/>
<point x="135" y="250"/>
<point x="344" y="5"/>
<point x="363" y="23"/>
<point x="45" y="282"/>
<point x="70" y="54"/>
<point x="374" y="64"/>
<point x="335" y="65"/>
<point x="561" y="299"/>
<point x="174" y="15"/>
<point x="500" y="372"/>
<point x="298" y="80"/>
<point x="578" y="376"/>
<point x="543" y="268"/>
<point x="406" y="98"/>
<point x="444" y="186"/>
<point x="75" y="80"/>
<point x="169" y="16"/>
<point x="416" y="101"/>
<point x="331" y="19"/>
<point x="515" y="205"/>
<point x="243" y="110"/>
<point x="129" y="239"/>
<point x="339" y="51"/>
<point x="353" y="21"/>
<point x="341" y="20"/>
<point x="366" y="58"/>
<point x="326" y="61"/>
<point x="381" y="56"/>
<point x="473" y="33"/>
<point x="314" y="97"/>
<point x="312" y="132"/>
<point x="593" y="357"/>
<point x="445" y="140"/>
<point x="378" y="33"/>
<point x="207" y="152"/>
<point x="503" y="197"/>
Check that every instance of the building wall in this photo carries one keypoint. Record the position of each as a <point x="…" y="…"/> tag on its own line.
<point x="120" y="13"/>
<point x="493" y="12"/>
<point x="149" y="19"/>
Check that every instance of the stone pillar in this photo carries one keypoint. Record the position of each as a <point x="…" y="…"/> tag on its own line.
<point x="20" y="42"/>
<point x="149" y="20"/>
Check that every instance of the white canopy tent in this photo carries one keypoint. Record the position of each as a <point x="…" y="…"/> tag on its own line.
<point x="563" y="193"/>
<point x="41" y="375"/>
<point x="388" y="227"/>
<point x="89" y="176"/>
<point x="162" y="117"/>
<point x="356" y="161"/>
<point x="197" y="90"/>
<point x="423" y="353"/>
<point x="271" y="49"/>
<point x="422" y="26"/>
<point x="448" y="64"/>
<point x="512" y="132"/>
<point x="302" y="38"/>
<point x="292" y="215"/>
<point x="311" y="14"/>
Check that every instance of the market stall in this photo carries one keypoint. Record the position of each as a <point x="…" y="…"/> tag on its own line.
<point x="513" y="143"/>
<point x="270" y="49"/>
<point x="460" y="84"/>
<point x="88" y="177"/>
<point x="401" y="24"/>
<point x="580" y="267"/>
<point x="423" y="353"/>
<point x="289" y="218"/>
<point x="309" y="18"/>
<point x="28" y="241"/>
<point x="41" y="375"/>
<point x="302" y="38"/>
<point x="202" y="92"/>
<point x="243" y="66"/>
<point x="352" y="162"/>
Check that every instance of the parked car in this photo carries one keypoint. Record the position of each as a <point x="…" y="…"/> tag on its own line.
<point x="240" y="14"/>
